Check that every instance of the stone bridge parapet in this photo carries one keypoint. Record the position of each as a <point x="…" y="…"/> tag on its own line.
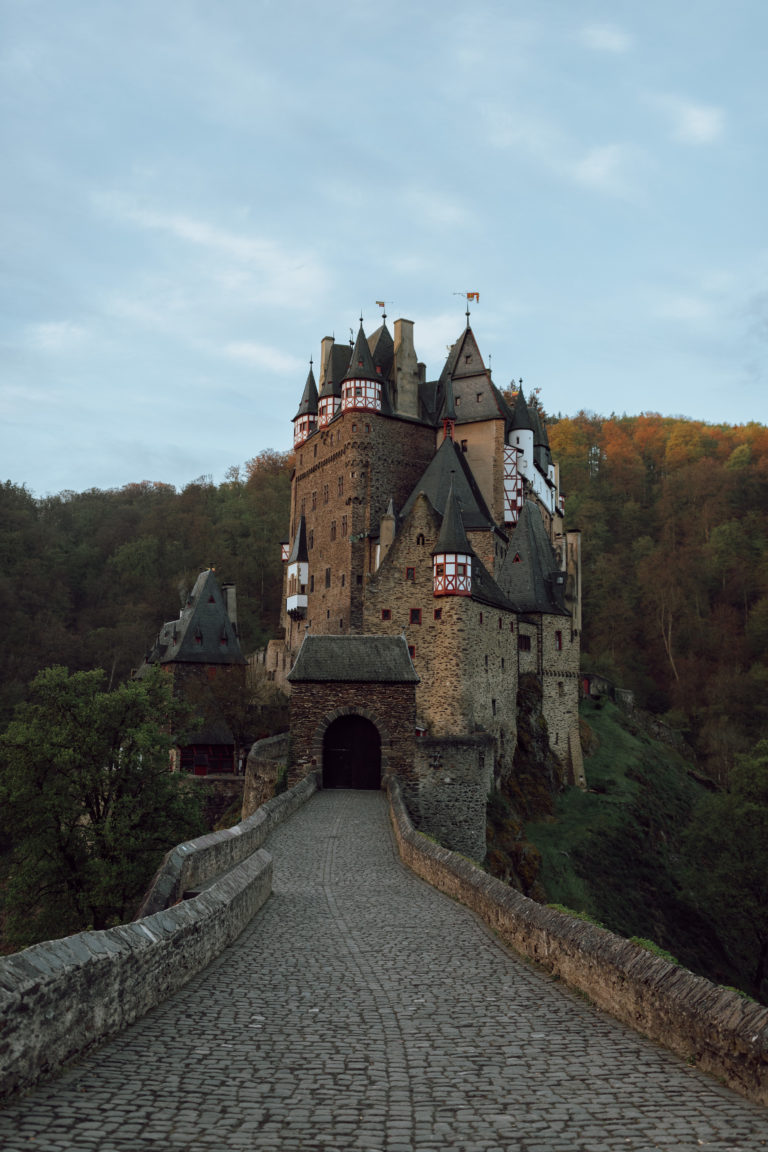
<point x="714" y="1028"/>
<point x="61" y="997"/>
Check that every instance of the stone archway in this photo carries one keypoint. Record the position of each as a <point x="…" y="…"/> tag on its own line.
<point x="351" y="753"/>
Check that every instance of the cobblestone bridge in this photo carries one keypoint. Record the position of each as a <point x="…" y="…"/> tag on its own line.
<point x="364" y="1010"/>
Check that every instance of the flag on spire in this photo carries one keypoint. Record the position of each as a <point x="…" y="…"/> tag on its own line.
<point x="473" y="296"/>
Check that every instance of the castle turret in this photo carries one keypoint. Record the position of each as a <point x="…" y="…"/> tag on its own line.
<point x="298" y="574"/>
<point x="521" y="434"/>
<point x="305" y="420"/>
<point x="452" y="555"/>
<point x="362" y="387"/>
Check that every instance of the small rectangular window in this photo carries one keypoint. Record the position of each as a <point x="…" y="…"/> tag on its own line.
<point x="524" y="643"/>
<point x="327" y="577"/>
<point x="415" y="615"/>
<point x="312" y="538"/>
<point x="341" y="485"/>
<point x="312" y="583"/>
<point x="411" y="651"/>
<point x="314" y="501"/>
<point x="386" y="613"/>
<point x="464" y="445"/>
<point x="343" y="524"/>
<point x="333" y="529"/>
<point x="410" y="573"/>
<point x="438" y="613"/>
<point x="559" y="641"/>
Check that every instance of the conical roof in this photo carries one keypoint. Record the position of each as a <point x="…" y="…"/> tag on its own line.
<point x="452" y="537"/>
<point x="530" y="572"/>
<point x="299" y="553"/>
<point x="308" y="405"/>
<point x="521" y="420"/>
<point x="361" y="366"/>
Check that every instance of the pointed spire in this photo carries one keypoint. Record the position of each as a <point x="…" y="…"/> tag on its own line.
<point x="452" y="537"/>
<point x="299" y="552"/>
<point x="521" y="420"/>
<point x="361" y="366"/>
<point x="308" y="405"/>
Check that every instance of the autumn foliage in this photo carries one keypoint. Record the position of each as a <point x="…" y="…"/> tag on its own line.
<point x="674" y="516"/>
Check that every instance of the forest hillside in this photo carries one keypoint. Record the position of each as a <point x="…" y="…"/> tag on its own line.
<point x="674" y="516"/>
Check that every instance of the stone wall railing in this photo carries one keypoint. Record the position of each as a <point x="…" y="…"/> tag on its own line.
<point x="59" y="998"/>
<point x="712" y="1027"/>
<point x="190" y="865"/>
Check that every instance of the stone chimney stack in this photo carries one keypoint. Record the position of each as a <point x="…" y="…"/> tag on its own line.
<point x="325" y="351"/>
<point x="230" y="600"/>
<point x="406" y="370"/>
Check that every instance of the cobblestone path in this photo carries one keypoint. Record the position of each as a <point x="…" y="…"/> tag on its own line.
<point x="363" y="1010"/>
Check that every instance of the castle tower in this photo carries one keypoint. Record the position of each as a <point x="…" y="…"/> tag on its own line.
<point x="305" y="420"/>
<point x="452" y="555"/>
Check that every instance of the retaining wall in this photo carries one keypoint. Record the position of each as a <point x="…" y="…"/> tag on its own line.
<point x="712" y="1027"/>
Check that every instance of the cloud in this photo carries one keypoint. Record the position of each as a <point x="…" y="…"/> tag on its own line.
<point x="56" y="336"/>
<point x="690" y="122"/>
<point x="263" y="356"/>
<point x="684" y="306"/>
<point x="268" y="270"/>
<point x="603" y="168"/>
<point x="605" y="38"/>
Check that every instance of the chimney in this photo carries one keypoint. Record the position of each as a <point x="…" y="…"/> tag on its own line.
<point x="325" y="351"/>
<point x="230" y="601"/>
<point x="406" y="370"/>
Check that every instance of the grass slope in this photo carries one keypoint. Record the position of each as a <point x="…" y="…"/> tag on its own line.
<point x="616" y="851"/>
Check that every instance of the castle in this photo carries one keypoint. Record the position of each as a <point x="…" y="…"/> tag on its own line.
<point x="426" y="571"/>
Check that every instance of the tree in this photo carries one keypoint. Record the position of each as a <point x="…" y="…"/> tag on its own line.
<point x="728" y="844"/>
<point x="87" y="801"/>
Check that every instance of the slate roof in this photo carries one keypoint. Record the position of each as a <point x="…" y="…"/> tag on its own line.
<point x="521" y="419"/>
<point x="528" y="573"/>
<point x="475" y="397"/>
<point x="203" y="633"/>
<point x="382" y="348"/>
<point x="485" y="589"/>
<point x="308" y="405"/>
<point x="382" y="659"/>
<point x="452" y="537"/>
<point x="335" y="369"/>
<point x="299" y="553"/>
<point x="449" y="466"/>
<point x="361" y="366"/>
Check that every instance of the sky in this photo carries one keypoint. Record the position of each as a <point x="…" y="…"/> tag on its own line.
<point x="195" y="194"/>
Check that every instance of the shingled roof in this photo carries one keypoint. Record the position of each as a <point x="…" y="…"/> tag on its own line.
<point x="308" y="404"/>
<point x="382" y="659"/>
<point x="203" y="633"/>
<point x="530" y="570"/>
<point x="335" y="369"/>
<point x="448" y="466"/>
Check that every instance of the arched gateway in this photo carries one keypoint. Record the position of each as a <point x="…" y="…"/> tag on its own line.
<point x="353" y="709"/>
<point x="351" y="754"/>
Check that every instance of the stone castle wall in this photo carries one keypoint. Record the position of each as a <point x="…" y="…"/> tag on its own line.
<point x="345" y="476"/>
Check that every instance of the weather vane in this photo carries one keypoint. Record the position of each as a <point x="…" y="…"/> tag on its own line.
<point x="469" y="296"/>
<point x="383" y="305"/>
